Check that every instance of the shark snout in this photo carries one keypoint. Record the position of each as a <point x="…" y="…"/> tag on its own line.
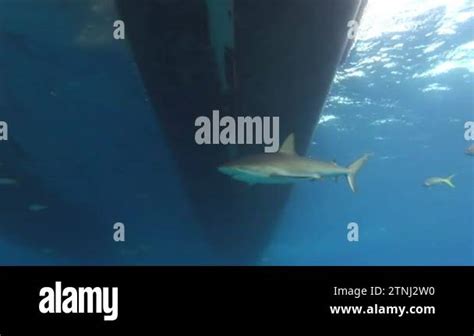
<point x="225" y="170"/>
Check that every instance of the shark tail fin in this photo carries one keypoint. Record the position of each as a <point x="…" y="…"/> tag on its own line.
<point x="449" y="181"/>
<point x="354" y="169"/>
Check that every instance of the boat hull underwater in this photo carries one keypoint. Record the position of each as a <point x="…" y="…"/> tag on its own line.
<point x="97" y="150"/>
<point x="280" y="61"/>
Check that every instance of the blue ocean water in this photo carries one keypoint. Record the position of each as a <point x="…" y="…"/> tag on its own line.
<point x="404" y="94"/>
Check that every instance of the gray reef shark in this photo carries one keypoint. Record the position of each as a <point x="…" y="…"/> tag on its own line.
<point x="285" y="166"/>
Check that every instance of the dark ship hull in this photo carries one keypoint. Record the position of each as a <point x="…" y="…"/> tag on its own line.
<point x="61" y="91"/>
<point x="270" y="58"/>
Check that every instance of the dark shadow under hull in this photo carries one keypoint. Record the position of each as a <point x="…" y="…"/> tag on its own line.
<point x="282" y="62"/>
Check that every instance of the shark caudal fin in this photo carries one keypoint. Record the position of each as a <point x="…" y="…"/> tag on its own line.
<point x="354" y="169"/>
<point x="449" y="181"/>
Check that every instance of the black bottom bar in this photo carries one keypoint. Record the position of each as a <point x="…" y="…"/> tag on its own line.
<point x="152" y="299"/>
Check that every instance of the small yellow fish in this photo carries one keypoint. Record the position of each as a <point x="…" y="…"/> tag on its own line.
<point x="470" y="150"/>
<point x="47" y="251"/>
<point x="7" y="181"/>
<point x="37" y="207"/>
<point x="439" y="180"/>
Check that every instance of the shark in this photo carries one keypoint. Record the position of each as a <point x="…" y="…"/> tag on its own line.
<point x="286" y="166"/>
<point x="429" y="182"/>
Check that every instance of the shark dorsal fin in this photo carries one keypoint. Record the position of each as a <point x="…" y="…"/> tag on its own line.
<point x="288" y="146"/>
